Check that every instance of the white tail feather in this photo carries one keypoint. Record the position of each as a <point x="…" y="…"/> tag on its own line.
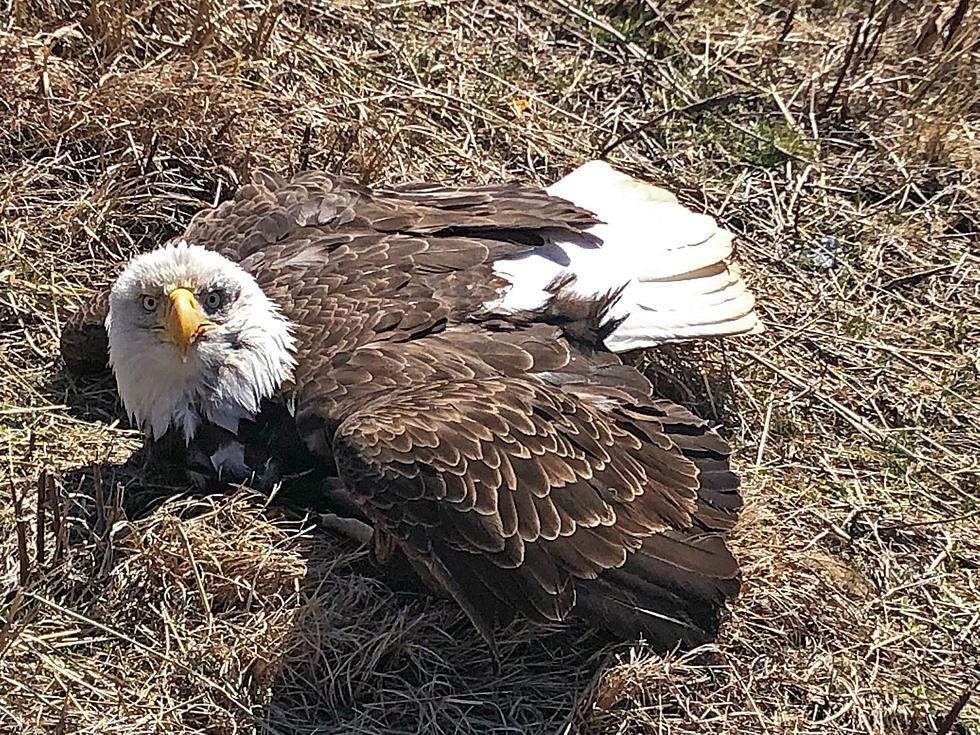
<point x="672" y="262"/>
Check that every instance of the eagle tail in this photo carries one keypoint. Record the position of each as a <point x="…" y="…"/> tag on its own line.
<point x="673" y="265"/>
<point x="671" y="590"/>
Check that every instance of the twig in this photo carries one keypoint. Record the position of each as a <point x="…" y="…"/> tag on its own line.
<point x="946" y="726"/>
<point x="42" y="500"/>
<point x="304" y="148"/>
<point x="848" y="55"/>
<point x="765" y="433"/>
<point x="711" y="103"/>
<point x="20" y="526"/>
<point x="916" y="277"/>
<point x="952" y="26"/>
<point x="198" y="577"/>
<point x="59" y="523"/>
<point x="98" y="494"/>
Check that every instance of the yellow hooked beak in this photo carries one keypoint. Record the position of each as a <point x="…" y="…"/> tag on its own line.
<point x="185" y="320"/>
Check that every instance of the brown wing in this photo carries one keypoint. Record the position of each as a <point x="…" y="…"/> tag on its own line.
<point x="317" y="233"/>
<point x="519" y="472"/>
<point x="499" y="220"/>
<point x="84" y="344"/>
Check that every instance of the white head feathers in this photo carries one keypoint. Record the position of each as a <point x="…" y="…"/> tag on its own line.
<point x="192" y="337"/>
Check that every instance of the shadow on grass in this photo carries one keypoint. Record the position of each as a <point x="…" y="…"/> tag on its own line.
<point x="274" y="622"/>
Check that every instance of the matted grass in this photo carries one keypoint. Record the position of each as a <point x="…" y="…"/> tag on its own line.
<point x="839" y="140"/>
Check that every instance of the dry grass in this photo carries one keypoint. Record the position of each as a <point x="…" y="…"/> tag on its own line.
<point x="857" y="415"/>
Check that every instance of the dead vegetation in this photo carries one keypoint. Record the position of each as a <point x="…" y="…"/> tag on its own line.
<point x="839" y="139"/>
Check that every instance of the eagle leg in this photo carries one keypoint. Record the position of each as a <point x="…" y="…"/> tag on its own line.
<point x="352" y="528"/>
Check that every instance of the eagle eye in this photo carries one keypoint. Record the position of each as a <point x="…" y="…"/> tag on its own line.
<point x="214" y="300"/>
<point x="149" y="303"/>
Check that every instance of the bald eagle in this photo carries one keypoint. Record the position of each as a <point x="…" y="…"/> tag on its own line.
<point x="447" y="358"/>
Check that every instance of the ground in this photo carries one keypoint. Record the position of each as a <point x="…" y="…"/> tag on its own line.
<point x="840" y="141"/>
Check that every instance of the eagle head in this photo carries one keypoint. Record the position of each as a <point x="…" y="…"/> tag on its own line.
<point x="193" y="337"/>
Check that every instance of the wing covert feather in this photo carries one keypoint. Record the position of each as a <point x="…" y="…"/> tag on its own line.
<point x="561" y="512"/>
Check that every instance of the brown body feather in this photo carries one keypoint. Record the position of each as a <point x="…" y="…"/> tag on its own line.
<point x="508" y="456"/>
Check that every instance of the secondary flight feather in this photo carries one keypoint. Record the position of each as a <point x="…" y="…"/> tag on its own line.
<point x="446" y="359"/>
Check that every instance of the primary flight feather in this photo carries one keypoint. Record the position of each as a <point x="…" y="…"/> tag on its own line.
<point x="446" y="356"/>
